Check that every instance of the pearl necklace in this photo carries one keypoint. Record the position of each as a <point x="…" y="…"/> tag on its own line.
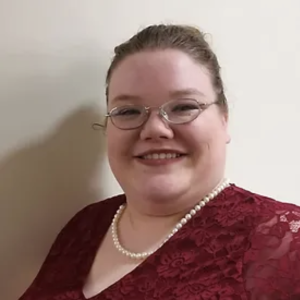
<point x="114" y="226"/>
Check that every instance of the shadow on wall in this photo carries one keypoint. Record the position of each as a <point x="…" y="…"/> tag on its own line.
<point x="41" y="187"/>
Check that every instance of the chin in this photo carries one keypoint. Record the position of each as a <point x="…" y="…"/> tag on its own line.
<point x="163" y="189"/>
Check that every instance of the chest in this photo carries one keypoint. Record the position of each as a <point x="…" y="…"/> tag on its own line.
<point x="108" y="268"/>
<point x="181" y="269"/>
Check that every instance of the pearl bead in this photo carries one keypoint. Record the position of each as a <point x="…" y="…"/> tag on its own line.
<point x="188" y="217"/>
<point x="197" y="207"/>
<point x="179" y="226"/>
<point x="176" y="228"/>
<point x="183" y="221"/>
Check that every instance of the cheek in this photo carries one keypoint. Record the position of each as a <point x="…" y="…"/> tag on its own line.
<point x="195" y="136"/>
<point x="119" y="142"/>
<point x="201" y="137"/>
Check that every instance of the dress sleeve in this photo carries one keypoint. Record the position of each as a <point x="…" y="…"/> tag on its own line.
<point x="272" y="263"/>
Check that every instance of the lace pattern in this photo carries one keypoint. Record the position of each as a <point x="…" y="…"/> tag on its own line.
<point x="240" y="246"/>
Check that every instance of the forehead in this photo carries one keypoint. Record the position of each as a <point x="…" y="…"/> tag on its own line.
<point x="157" y="74"/>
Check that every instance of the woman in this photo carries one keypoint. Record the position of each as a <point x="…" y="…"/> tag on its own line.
<point x="181" y="230"/>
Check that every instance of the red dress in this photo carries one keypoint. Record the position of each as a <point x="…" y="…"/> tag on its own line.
<point x="239" y="246"/>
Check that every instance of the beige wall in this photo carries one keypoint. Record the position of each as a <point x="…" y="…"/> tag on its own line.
<point x="53" y="58"/>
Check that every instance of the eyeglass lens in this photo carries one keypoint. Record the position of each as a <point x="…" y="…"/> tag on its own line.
<point x="177" y="112"/>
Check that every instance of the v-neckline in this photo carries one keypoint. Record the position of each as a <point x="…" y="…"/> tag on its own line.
<point x="105" y="226"/>
<point x="103" y="230"/>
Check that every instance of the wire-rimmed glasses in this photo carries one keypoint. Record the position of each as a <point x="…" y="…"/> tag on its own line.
<point x="180" y="111"/>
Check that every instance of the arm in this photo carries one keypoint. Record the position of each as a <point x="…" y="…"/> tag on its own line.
<point x="272" y="264"/>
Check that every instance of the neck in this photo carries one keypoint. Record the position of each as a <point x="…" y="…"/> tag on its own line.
<point x="163" y="213"/>
<point x="170" y="207"/>
<point x="143" y="231"/>
<point x="140" y="219"/>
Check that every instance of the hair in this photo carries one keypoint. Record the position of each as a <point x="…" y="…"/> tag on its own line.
<point x="188" y="39"/>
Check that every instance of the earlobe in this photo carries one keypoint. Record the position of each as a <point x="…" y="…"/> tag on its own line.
<point x="228" y="140"/>
<point x="225" y="118"/>
<point x="225" y="124"/>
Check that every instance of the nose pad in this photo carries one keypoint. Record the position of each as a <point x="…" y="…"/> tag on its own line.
<point x="163" y="114"/>
<point x="156" y="127"/>
<point x="160" y="113"/>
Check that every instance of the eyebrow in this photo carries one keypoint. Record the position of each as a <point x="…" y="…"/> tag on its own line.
<point x="124" y="97"/>
<point x="172" y="94"/>
<point x="186" y="92"/>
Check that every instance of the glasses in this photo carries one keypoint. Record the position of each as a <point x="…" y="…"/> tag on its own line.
<point x="179" y="111"/>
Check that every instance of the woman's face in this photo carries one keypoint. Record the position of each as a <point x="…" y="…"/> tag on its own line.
<point x="153" y="78"/>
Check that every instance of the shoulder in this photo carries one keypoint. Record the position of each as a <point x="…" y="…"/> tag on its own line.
<point x="74" y="244"/>
<point x="91" y="221"/>
<point x="88" y="223"/>
<point x="101" y="207"/>
<point x="237" y="206"/>
<point x="272" y="262"/>
<point x="98" y="212"/>
<point x="264" y="207"/>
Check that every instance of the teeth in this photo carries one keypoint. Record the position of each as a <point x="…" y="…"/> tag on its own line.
<point x="161" y="156"/>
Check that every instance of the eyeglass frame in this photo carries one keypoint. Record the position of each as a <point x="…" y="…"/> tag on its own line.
<point x="161" y="112"/>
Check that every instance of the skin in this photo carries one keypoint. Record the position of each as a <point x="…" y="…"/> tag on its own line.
<point x="150" y="79"/>
<point x="158" y="195"/>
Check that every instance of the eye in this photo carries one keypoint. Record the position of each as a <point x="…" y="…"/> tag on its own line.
<point x="184" y="107"/>
<point x="126" y="111"/>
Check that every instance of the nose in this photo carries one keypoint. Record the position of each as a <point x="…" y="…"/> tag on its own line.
<point x="156" y="128"/>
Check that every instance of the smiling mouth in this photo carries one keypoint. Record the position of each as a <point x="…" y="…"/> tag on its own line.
<point x="161" y="156"/>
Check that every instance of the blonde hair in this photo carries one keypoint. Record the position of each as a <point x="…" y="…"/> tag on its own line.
<point x="181" y="37"/>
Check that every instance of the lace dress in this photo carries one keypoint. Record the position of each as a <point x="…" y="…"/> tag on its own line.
<point x="239" y="246"/>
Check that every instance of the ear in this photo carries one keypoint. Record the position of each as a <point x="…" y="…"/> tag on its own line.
<point x="225" y="118"/>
